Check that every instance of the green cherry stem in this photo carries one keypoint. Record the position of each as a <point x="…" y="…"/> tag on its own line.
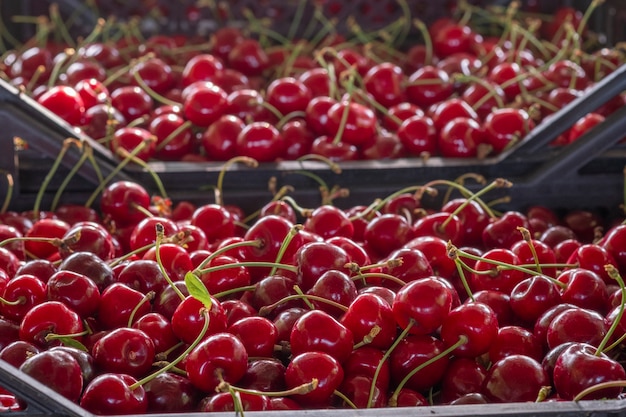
<point x="157" y="251"/>
<point x="614" y="274"/>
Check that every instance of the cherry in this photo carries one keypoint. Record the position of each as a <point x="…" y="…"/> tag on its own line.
<point x="357" y="389"/>
<point x="320" y="332"/>
<point x="611" y="241"/>
<point x="515" y="378"/>
<point x="16" y="352"/>
<point x="590" y="368"/>
<point x="92" y="92"/>
<point x="201" y="67"/>
<point x="327" y="147"/>
<point x="512" y="340"/>
<point x="29" y="62"/>
<point x="462" y="377"/>
<point x="65" y="102"/>
<point x="9" y="262"/>
<point x="593" y="258"/>
<point x="413" y="351"/>
<point x="90" y="265"/>
<point x="540" y="253"/>
<point x="101" y="119"/>
<point x="367" y="312"/>
<point x="446" y="226"/>
<point x="175" y="260"/>
<point x="531" y="297"/>
<point x="93" y="238"/>
<point x="426" y="302"/>
<point x="585" y="289"/>
<point x="258" y="335"/>
<point x="159" y="329"/>
<point x="132" y="101"/>
<point x="45" y="228"/>
<point x="386" y="233"/>
<point x="260" y="141"/>
<point x="476" y="322"/>
<point x="143" y="275"/>
<point x="503" y="232"/>
<point x="435" y="250"/>
<point x="298" y="137"/>
<point x="120" y="200"/>
<point x="221" y="356"/>
<point x="124" y="350"/>
<point x="500" y="303"/>
<point x="264" y="374"/>
<point x="226" y="279"/>
<point x="187" y="322"/>
<point x="505" y="127"/>
<point x="155" y="73"/>
<point x="9" y="333"/>
<point x="335" y="286"/>
<point x="329" y="221"/>
<point x="204" y="103"/>
<point x="489" y="277"/>
<point x="445" y="111"/>
<point x="144" y="233"/>
<point x="576" y="325"/>
<point x="460" y="138"/>
<point x="319" y="368"/>
<point x="248" y="57"/>
<point x="451" y="39"/>
<point x="168" y="300"/>
<point x="114" y="394"/>
<point x="540" y="329"/>
<point x="583" y="125"/>
<point x="117" y="303"/>
<point x="385" y="82"/>
<point x="50" y="317"/>
<point x="22" y="293"/>
<point x="288" y="95"/>
<point x="224" y="401"/>
<point x="316" y="114"/>
<point x="58" y="370"/>
<point x="314" y="259"/>
<point x="428" y="85"/>
<point x="168" y="392"/>
<point x="170" y="146"/>
<point x="364" y="361"/>
<point x="357" y="128"/>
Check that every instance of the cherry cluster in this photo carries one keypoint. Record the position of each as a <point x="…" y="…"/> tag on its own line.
<point x="136" y="308"/>
<point x="466" y="89"/>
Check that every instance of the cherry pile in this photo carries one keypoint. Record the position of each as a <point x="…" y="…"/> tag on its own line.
<point x="135" y="308"/>
<point x="464" y="90"/>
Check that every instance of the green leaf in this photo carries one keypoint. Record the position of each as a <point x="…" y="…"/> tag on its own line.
<point x="197" y="290"/>
<point x="73" y="343"/>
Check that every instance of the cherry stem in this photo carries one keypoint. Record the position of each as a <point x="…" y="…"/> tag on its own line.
<point x="393" y="400"/>
<point x="54" y="336"/>
<point x="234" y="291"/>
<point x="460" y="267"/>
<point x="365" y="276"/>
<point x="53" y="169"/>
<point x="594" y="388"/>
<point x="251" y="264"/>
<point x="127" y="159"/>
<point x="246" y="243"/>
<point x="526" y="236"/>
<point x="461" y="180"/>
<point x="368" y="338"/>
<point x="157" y="251"/>
<point x="295" y="229"/>
<point x="299" y="390"/>
<point x="357" y="269"/>
<point x="403" y="334"/>
<point x="156" y="96"/>
<point x="428" y="42"/>
<point x="334" y="167"/>
<point x="9" y="194"/>
<point x="129" y="255"/>
<point x="19" y="301"/>
<point x="302" y="211"/>
<point x="349" y="86"/>
<point x="205" y="314"/>
<point x="146" y="298"/>
<point x="86" y="151"/>
<point x="219" y="195"/>
<point x="614" y="274"/>
<point x="345" y="399"/>
<point x="265" y="310"/>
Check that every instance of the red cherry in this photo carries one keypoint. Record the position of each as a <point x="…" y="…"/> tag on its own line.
<point x="385" y="82"/>
<point x="65" y="102"/>
<point x="475" y="321"/>
<point x="366" y="312"/>
<point x="58" y="370"/>
<point x="201" y="67"/>
<point x="112" y="394"/>
<point x="426" y="302"/>
<point x="413" y="351"/>
<point x="516" y="378"/>
<point x="506" y="127"/>
<point x="132" y="101"/>
<point x="219" y="356"/>
<point x="248" y="57"/>
<point x="360" y="123"/>
<point x="204" y="103"/>
<point x="288" y="95"/>
<point x="187" y="322"/>
<point x="418" y="135"/>
<point x="125" y="351"/>
<point x="260" y="141"/>
<point x="428" y="85"/>
<point x="319" y="366"/>
<point x="452" y="39"/>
